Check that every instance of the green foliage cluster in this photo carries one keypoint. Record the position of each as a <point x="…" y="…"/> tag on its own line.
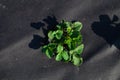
<point x="65" y="43"/>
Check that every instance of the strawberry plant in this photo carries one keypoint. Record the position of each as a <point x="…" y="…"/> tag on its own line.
<point x="65" y="43"/>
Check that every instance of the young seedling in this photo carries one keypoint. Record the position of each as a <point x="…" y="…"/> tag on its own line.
<point x="65" y="43"/>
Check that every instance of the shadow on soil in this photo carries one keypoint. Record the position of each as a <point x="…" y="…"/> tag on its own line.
<point x="109" y="29"/>
<point x="37" y="40"/>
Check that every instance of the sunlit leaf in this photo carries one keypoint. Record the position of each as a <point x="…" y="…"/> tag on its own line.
<point x="77" y="26"/>
<point x="65" y="55"/>
<point x="49" y="53"/>
<point x="76" y="60"/>
<point x="51" y="35"/>
<point x="58" y="57"/>
<point x="79" y="49"/>
<point x="59" y="48"/>
<point x="69" y="29"/>
<point x="59" y="34"/>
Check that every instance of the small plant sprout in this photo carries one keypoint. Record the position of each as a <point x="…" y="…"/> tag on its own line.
<point x="65" y="43"/>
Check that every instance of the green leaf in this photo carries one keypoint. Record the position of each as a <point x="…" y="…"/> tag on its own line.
<point x="65" y="55"/>
<point x="77" y="26"/>
<point x="77" y="60"/>
<point x="73" y="45"/>
<point x="58" y="57"/>
<point x="79" y="49"/>
<point x="59" y="48"/>
<point x="58" y="26"/>
<point x="59" y="34"/>
<point x="49" y="53"/>
<point x="64" y="24"/>
<point x="75" y="34"/>
<point x="44" y="48"/>
<point x="48" y="50"/>
<point x="68" y="42"/>
<point x="52" y="45"/>
<point x="78" y="38"/>
<point x="69" y="45"/>
<point x="69" y="29"/>
<point x="67" y="24"/>
<point x="51" y="35"/>
<point x="70" y="57"/>
<point x="61" y="25"/>
<point x="81" y="60"/>
<point x="71" y="52"/>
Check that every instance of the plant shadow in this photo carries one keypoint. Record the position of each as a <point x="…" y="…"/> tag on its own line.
<point x="37" y="40"/>
<point x="108" y="29"/>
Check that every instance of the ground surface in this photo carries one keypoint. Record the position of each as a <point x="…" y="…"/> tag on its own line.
<point x="23" y="24"/>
